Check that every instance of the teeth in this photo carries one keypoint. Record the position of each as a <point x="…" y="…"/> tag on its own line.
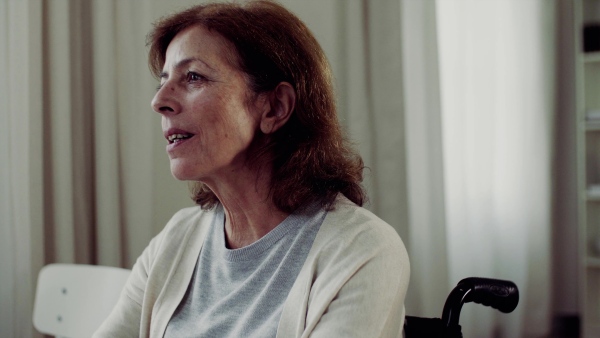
<point x="174" y="137"/>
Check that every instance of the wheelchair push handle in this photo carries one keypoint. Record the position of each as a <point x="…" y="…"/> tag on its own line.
<point x="499" y="294"/>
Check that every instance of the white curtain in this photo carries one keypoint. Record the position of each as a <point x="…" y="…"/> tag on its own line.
<point x="479" y="111"/>
<point x="497" y="88"/>
<point x="447" y="101"/>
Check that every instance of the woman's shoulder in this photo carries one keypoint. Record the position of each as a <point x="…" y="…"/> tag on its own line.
<point x="348" y="222"/>
<point x="351" y="235"/>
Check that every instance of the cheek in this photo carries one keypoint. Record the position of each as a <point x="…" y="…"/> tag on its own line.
<point x="238" y="129"/>
<point x="236" y="120"/>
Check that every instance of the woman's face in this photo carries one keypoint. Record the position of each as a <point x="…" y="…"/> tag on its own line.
<point x="209" y="114"/>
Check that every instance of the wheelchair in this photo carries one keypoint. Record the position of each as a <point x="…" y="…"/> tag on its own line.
<point x="499" y="294"/>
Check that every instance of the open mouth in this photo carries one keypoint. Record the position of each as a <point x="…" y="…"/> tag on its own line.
<point x="180" y="137"/>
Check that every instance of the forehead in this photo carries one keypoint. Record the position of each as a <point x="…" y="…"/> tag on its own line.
<point x="199" y="42"/>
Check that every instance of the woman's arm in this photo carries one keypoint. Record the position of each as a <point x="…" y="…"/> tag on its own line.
<point x="159" y="278"/>
<point x="125" y="318"/>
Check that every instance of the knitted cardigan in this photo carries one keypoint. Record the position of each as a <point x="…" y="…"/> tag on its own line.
<point x="352" y="284"/>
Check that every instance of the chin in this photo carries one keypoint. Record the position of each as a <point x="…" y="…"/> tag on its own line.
<point x="179" y="177"/>
<point x="182" y="172"/>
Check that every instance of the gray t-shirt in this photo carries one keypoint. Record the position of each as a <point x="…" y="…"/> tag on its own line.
<point x="240" y="293"/>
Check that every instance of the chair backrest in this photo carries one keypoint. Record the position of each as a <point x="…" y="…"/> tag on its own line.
<point x="72" y="300"/>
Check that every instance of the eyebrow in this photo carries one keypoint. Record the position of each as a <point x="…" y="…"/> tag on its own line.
<point x="182" y="63"/>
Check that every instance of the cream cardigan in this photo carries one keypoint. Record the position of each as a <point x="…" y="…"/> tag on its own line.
<point x="352" y="284"/>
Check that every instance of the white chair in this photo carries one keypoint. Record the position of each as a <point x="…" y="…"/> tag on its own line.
<point x="72" y="300"/>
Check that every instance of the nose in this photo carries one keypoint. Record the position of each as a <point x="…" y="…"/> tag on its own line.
<point x="164" y="101"/>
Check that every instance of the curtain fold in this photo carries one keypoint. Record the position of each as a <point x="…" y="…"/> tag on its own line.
<point x="429" y="285"/>
<point x="21" y="216"/>
<point x="66" y="191"/>
<point x="107" y="164"/>
<point x="138" y="126"/>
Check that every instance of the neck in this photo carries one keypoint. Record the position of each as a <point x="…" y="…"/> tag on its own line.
<point x="249" y="211"/>
<point x="244" y="226"/>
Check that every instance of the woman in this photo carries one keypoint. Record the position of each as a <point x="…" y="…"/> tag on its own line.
<point x="279" y="245"/>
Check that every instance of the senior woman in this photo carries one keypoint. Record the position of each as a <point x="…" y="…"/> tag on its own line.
<point x="279" y="245"/>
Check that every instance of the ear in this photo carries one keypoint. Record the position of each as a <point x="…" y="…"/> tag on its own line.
<point x="282" y="102"/>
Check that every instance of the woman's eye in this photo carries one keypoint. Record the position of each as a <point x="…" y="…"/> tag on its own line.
<point x="193" y="77"/>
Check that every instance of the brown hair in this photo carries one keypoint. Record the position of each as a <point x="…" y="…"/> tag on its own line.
<point x="312" y="161"/>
